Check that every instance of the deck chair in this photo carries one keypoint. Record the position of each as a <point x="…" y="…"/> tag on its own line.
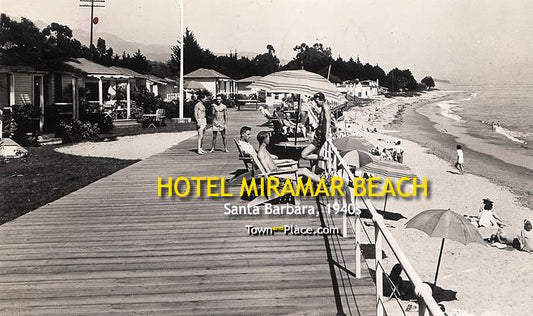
<point x="288" y="173"/>
<point x="159" y="119"/>
<point x="109" y="109"/>
<point x="251" y="167"/>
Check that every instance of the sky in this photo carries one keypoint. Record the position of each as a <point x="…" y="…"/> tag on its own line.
<point x="143" y="21"/>
<point x="467" y="41"/>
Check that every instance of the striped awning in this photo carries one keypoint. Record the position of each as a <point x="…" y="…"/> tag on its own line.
<point x="299" y="82"/>
<point x="388" y="169"/>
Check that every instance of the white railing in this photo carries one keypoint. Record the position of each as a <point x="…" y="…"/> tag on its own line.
<point x="335" y="165"/>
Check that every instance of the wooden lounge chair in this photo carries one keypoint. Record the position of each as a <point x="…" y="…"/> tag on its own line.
<point x="159" y="119"/>
<point x="288" y="172"/>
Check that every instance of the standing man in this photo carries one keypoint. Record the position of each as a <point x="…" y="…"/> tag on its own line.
<point x="201" y="121"/>
<point x="323" y="130"/>
<point x="220" y="120"/>
<point x="398" y="152"/>
<point x="460" y="159"/>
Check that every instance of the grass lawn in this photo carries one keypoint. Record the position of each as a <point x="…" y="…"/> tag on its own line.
<point x="45" y="175"/>
<point x="170" y="127"/>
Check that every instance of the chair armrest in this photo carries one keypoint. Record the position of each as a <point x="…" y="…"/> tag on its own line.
<point x="279" y="172"/>
<point x="287" y="163"/>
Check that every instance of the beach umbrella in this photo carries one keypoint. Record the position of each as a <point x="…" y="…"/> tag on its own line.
<point x="193" y="85"/>
<point x="357" y="158"/>
<point x="388" y="169"/>
<point x="352" y="143"/>
<point x="445" y="224"/>
<point x="300" y="82"/>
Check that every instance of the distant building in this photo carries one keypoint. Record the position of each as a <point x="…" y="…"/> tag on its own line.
<point x="366" y="89"/>
<point x="213" y="81"/>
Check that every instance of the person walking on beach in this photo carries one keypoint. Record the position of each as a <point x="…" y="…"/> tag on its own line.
<point x="201" y="122"/>
<point x="323" y="130"/>
<point x="398" y="152"/>
<point x="460" y="159"/>
<point x="220" y="120"/>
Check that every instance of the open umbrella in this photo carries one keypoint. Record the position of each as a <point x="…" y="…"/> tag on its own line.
<point x="445" y="224"/>
<point x="352" y="143"/>
<point x="193" y="85"/>
<point x="388" y="169"/>
<point x="357" y="158"/>
<point x="298" y="82"/>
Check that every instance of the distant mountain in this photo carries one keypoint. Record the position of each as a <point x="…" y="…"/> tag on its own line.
<point x="154" y="52"/>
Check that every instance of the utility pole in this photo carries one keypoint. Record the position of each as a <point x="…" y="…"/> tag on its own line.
<point x="181" y="105"/>
<point x="91" y="4"/>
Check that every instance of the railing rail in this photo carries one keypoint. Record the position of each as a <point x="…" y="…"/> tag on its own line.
<point x="335" y="165"/>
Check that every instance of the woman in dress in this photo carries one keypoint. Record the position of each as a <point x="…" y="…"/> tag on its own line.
<point x="220" y="120"/>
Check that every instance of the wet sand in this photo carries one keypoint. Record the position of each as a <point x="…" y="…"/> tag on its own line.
<point x="418" y="128"/>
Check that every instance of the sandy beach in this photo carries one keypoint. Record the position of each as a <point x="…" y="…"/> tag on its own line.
<point x="488" y="280"/>
<point x="128" y="147"/>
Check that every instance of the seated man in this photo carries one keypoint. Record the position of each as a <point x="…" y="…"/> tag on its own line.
<point x="248" y="149"/>
<point x="244" y="141"/>
<point x="269" y="164"/>
<point x="523" y="242"/>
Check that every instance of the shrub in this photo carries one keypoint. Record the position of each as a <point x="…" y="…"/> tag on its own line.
<point x="22" y="120"/>
<point x="90" y="112"/>
<point x="148" y="101"/>
<point x="76" y="130"/>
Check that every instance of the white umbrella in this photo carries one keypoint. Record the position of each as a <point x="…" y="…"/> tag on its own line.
<point x="299" y="82"/>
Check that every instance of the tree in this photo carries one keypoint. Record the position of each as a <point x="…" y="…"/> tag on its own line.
<point x="22" y="43"/>
<point x="429" y="82"/>
<point x="193" y="54"/>
<point x="312" y="58"/>
<point x="139" y="63"/>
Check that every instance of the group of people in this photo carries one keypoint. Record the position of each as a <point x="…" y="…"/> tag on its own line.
<point x="220" y="121"/>
<point x="488" y="219"/>
<point x="309" y="153"/>
<point x="394" y="153"/>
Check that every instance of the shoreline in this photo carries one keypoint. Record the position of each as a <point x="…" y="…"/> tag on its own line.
<point x="420" y="129"/>
<point x="473" y="275"/>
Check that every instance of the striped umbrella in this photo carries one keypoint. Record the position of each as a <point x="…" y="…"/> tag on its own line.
<point x="388" y="169"/>
<point x="445" y="224"/>
<point x="350" y="143"/>
<point x="299" y="82"/>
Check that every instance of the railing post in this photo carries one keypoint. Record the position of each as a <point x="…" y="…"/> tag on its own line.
<point x="357" y="225"/>
<point x="422" y="308"/>
<point x="379" y="270"/>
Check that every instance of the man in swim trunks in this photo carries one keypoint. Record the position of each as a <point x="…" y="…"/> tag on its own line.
<point x="323" y="130"/>
<point x="201" y="121"/>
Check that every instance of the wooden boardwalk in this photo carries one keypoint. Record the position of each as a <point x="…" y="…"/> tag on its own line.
<point x="114" y="247"/>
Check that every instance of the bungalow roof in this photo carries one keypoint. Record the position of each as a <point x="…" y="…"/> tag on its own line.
<point x="128" y="72"/>
<point x="204" y="73"/>
<point x="18" y="68"/>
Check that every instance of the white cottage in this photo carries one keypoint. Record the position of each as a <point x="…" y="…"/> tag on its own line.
<point x="213" y="81"/>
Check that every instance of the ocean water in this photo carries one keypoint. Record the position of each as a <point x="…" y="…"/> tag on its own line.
<point x="510" y="105"/>
<point x="492" y="119"/>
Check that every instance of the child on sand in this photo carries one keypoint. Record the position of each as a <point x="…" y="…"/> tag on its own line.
<point x="460" y="159"/>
